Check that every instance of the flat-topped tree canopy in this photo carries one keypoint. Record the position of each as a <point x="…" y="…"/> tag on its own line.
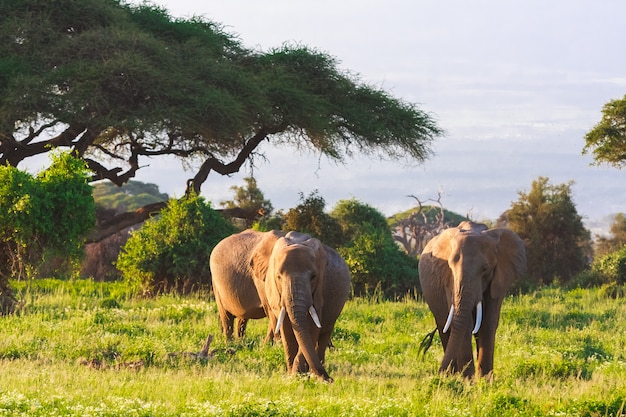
<point x="116" y="82"/>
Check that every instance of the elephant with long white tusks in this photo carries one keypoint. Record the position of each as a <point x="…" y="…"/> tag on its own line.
<point x="299" y="283"/>
<point x="306" y="285"/>
<point x="465" y="273"/>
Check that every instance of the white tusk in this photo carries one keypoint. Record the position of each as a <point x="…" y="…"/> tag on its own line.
<point x="281" y="318"/>
<point x="449" y="321"/>
<point x="479" y="317"/>
<point x="315" y="317"/>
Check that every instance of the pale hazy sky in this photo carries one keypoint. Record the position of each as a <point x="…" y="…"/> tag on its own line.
<point x="515" y="84"/>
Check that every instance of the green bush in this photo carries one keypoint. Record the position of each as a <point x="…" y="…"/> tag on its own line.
<point x="44" y="218"/>
<point x="375" y="260"/>
<point x="171" y="252"/>
<point x="612" y="267"/>
<point x="309" y="217"/>
<point x="376" y="263"/>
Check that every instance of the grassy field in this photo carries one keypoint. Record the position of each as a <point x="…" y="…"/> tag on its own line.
<point x="87" y="349"/>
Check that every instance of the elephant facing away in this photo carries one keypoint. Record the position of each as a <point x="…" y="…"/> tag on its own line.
<point x="306" y="284"/>
<point x="465" y="273"/>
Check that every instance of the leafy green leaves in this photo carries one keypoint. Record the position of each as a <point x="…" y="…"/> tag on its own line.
<point x="607" y="140"/>
<point x="43" y="216"/>
<point x="131" y="82"/>
<point x="172" y="251"/>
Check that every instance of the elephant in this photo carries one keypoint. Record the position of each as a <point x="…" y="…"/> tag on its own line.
<point x="236" y="293"/>
<point x="307" y="284"/>
<point x="465" y="273"/>
<point x="240" y="268"/>
<point x="234" y="287"/>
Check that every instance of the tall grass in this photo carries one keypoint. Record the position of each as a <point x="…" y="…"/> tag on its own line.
<point x="84" y="348"/>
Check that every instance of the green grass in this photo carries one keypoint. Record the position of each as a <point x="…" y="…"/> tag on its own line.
<point x="559" y="353"/>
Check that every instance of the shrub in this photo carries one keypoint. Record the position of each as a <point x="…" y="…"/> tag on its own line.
<point x="171" y="252"/>
<point x="612" y="267"/>
<point x="585" y="279"/>
<point x="376" y="262"/>
<point x="374" y="258"/>
<point x="44" y="219"/>
<point x="309" y="217"/>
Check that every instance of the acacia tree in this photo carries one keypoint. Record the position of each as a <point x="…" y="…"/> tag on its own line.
<point x="119" y="84"/>
<point x="413" y="228"/>
<point x="607" y="140"/>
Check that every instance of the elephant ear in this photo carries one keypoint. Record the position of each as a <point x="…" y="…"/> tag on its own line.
<point x="439" y="246"/>
<point x="260" y="256"/>
<point x="321" y="266"/>
<point x="511" y="261"/>
<point x="433" y="261"/>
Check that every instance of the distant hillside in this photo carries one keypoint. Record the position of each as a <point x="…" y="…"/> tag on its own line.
<point x="129" y="197"/>
<point x="431" y="212"/>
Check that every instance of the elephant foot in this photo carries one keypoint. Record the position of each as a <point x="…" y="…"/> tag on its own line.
<point x="327" y="379"/>
<point x="324" y="377"/>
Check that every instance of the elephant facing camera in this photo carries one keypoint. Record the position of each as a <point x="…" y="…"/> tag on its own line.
<point x="465" y="273"/>
<point x="296" y="281"/>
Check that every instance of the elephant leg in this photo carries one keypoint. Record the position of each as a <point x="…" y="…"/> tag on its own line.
<point x="228" y="323"/>
<point x="241" y="327"/>
<point x="290" y="344"/>
<point x="300" y="365"/>
<point x="271" y="336"/>
<point x="486" y="338"/>
<point x="440" y="310"/>
<point x="444" y="338"/>
<point x="227" y="320"/>
<point x="323" y="342"/>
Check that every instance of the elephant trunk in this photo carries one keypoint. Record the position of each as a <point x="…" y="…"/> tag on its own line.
<point x="458" y="355"/>
<point x="304" y="328"/>
<point x="478" y="323"/>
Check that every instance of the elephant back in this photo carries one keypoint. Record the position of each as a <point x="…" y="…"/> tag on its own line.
<point x="231" y="255"/>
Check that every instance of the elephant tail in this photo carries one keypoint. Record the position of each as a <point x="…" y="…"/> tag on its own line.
<point x="427" y="341"/>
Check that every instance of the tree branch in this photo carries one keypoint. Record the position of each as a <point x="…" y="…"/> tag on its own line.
<point x="214" y="164"/>
<point x="124" y="220"/>
<point x="120" y="222"/>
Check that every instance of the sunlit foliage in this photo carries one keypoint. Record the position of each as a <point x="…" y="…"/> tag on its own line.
<point x="607" y="140"/>
<point x="171" y="252"/>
